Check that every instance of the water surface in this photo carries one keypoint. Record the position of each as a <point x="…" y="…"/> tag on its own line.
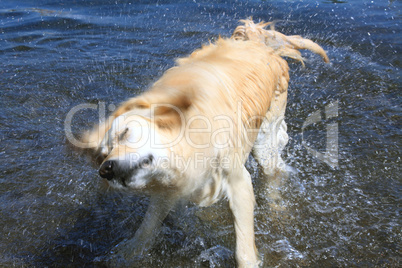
<point x="55" y="210"/>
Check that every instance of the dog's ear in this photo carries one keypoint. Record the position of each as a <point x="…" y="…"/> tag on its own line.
<point x="132" y="104"/>
<point x="171" y="113"/>
<point x="167" y="108"/>
<point x="171" y="120"/>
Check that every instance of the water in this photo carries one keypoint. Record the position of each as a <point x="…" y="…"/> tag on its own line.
<point x="55" y="211"/>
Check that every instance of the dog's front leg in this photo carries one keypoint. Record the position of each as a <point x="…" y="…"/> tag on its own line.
<point x="157" y="211"/>
<point x="241" y="202"/>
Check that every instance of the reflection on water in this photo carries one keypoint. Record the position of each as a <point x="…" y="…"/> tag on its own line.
<point x="55" y="211"/>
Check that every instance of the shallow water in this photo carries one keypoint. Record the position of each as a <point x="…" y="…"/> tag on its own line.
<point x="55" y="210"/>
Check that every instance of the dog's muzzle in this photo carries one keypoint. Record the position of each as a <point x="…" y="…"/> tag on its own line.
<point x="106" y="170"/>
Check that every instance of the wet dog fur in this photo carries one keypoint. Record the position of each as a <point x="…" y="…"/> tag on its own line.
<point x="190" y="134"/>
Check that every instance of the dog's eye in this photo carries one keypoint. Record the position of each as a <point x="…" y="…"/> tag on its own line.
<point x="123" y="134"/>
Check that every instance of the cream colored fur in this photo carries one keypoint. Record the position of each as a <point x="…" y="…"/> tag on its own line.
<point x="191" y="133"/>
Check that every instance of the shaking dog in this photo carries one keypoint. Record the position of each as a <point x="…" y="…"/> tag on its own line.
<point x="189" y="135"/>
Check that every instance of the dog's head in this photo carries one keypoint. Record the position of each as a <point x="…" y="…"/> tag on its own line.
<point x="132" y="152"/>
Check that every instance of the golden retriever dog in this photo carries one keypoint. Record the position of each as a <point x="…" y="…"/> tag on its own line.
<point x="189" y="136"/>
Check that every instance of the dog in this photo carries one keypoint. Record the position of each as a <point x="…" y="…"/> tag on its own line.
<point x="189" y="136"/>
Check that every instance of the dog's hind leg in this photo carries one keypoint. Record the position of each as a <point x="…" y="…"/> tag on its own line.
<point x="272" y="137"/>
<point x="157" y="211"/>
<point x="241" y="202"/>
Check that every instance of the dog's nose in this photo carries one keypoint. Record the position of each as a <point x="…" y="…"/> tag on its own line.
<point x="106" y="170"/>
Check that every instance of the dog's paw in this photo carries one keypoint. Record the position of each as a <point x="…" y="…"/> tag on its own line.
<point x="127" y="251"/>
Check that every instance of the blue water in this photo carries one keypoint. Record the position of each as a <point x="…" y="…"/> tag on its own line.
<point x="56" y="211"/>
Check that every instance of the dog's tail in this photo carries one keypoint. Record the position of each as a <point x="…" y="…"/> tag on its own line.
<point x="284" y="46"/>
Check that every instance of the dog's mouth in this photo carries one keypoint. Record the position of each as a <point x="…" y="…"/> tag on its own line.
<point x="133" y="175"/>
<point x="108" y="172"/>
<point x="118" y="182"/>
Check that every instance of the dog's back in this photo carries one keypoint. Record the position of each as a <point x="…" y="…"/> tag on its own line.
<point x="238" y="84"/>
